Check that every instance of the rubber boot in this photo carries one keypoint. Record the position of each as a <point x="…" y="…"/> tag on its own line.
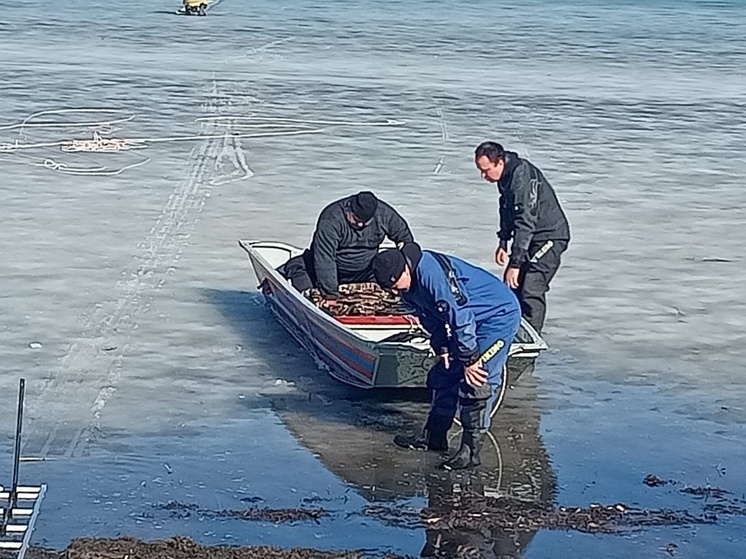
<point x="468" y="454"/>
<point x="472" y="439"/>
<point x="433" y="437"/>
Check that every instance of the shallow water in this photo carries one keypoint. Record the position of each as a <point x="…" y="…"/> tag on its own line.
<point x="128" y="306"/>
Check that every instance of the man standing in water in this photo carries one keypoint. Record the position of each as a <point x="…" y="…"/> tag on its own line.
<point x="530" y="216"/>
<point x="472" y="318"/>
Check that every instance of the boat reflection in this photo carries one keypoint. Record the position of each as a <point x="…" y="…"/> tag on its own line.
<point x="351" y="434"/>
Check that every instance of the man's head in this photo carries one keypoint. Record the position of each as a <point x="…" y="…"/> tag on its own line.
<point x="391" y="270"/>
<point x="490" y="160"/>
<point x="363" y="208"/>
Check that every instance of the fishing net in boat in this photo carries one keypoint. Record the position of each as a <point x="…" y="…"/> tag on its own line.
<point x="360" y="299"/>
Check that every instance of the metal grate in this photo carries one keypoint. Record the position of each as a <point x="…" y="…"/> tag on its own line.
<point x="19" y="511"/>
<point x="19" y="504"/>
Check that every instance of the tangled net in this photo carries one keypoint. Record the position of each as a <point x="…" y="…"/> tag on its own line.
<point x="360" y="299"/>
<point x="100" y="144"/>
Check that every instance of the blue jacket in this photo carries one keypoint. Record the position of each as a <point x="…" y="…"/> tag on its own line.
<point x="485" y="306"/>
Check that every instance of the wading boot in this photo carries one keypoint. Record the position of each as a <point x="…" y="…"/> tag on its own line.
<point x="433" y="437"/>
<point x="468" y="454"/>
<point x="473" y="414"/>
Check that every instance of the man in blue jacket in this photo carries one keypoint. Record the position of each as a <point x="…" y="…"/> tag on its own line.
<point x="472" y="318"/>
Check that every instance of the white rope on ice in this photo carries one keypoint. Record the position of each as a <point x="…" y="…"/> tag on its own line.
<point x="25" y="123"/>
<point x="387" y="122"/>
<point x="257" y="50"/>
<point x="52" y="165"/>
<point x="15" y="146"/>
<point x="213" y="136"/>
<point x="268" y="125"/>
<point x="108" y="145"/>
<point x="101" y="144"/>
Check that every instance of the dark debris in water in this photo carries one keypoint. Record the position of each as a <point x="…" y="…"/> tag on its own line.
<point x="184" y="548"/>
<point x="400" y="517"/>
<point x="522" y="516"/>
<point x="715" y="492"/>
<point x="652" y="480"/>
<point x="707" y="491"/>
<point x="469" y="512"/>
<point x="277" y="516"/>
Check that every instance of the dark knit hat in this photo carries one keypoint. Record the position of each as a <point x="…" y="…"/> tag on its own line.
<point x="364" y="205"/>
<point x="388" y="266"/>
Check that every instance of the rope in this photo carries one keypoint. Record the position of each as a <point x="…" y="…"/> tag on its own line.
<point x="26" y="124"/>
<point x="387" y="122"/>
<point x="223" y="135"/>
<point x="104" y="145"/>
<point x="263" y="48"/>
<point x="98" y="143"/>
<point x="52" y="165"/>
<point x="12" y="147"/>
<point x="233" y="125"/>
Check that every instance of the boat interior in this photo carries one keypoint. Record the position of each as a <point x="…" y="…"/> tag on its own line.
<point x="389" y="328"/>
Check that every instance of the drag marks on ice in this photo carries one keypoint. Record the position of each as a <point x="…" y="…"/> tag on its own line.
<point x="88" y="373"/>
<point x="66" y="410"/>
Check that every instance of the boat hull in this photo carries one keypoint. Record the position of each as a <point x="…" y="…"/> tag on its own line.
<point x="344" y="351"/>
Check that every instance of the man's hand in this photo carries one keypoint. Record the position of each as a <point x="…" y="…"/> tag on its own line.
<point x="501" y="255"/>
<point x="329" y="303"/>
<point x="511" y="277"/>
<point x="475" y="375"/>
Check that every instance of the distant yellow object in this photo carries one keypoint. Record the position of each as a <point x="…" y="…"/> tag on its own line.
<point x="195" y="7"/>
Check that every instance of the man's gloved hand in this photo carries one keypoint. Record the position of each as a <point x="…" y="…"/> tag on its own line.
<point x="329" y="303"/>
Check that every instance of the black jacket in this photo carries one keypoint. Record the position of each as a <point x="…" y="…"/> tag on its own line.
<point x="342" y="253"/>
<point x="529" y="209"/>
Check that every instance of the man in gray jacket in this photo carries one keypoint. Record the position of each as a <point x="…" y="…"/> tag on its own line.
<point x="530" y="216"/>
<point x="348" y="235"/>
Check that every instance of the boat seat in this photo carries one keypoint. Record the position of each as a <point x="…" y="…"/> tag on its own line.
<point x="384" y="320"/>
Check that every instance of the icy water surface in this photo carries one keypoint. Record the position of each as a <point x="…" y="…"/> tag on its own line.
<point x="128" y="306"/>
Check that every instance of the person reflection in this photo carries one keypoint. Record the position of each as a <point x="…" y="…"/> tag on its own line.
<point x="352" y="437"/>
<point x="516" y="470"/>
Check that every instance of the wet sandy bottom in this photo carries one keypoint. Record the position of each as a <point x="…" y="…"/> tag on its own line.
<point x="331" y="480"/>
<point x="181" y="548"/>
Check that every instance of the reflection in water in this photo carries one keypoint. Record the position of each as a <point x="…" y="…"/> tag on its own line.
<point x="352" y="433"/>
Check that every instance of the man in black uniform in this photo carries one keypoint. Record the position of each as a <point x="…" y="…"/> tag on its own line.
<point x="530" y="216"/>
<point x="348" y="235"/>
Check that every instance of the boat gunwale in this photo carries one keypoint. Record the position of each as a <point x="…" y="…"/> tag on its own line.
<point x="533" y="349"/>
<point x="251" y="248"/>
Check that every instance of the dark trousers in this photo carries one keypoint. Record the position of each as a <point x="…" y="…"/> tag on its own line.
<point x="534" y="281"/>
<point x="450" y="391"/>
<point x="302" y="275"/>
<point x="299" y="270"/>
